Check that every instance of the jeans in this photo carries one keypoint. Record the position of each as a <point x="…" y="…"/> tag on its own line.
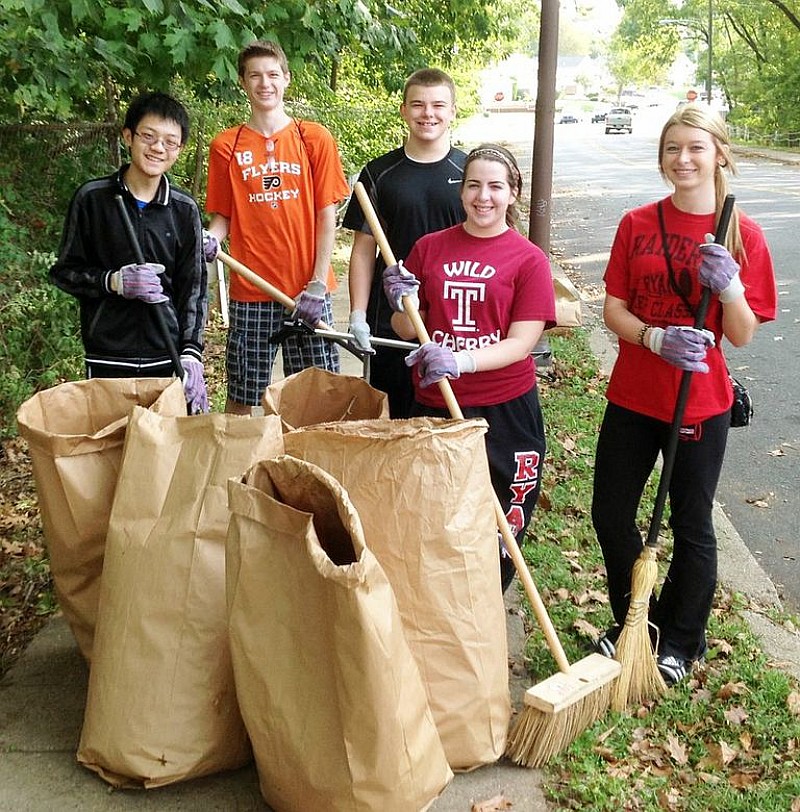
<point x="627" y="450"/>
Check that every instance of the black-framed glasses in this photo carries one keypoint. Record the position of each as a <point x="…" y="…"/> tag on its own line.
<point x="170" y="144"/>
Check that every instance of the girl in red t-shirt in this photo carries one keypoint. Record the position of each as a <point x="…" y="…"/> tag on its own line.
<point x="659" y="263"/>
<point x="485" y="294"/>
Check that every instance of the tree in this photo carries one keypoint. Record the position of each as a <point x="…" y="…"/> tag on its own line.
<point x="62" y="57"/>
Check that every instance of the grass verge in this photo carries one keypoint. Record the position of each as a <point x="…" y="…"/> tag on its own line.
<point x="726" y="739"/>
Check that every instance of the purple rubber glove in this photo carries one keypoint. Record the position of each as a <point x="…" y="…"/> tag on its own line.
<point x="194" y="385"/>
<point x="139" y="282"/>
<point x="436" y="362"/>
<point x="309" y="304"/>
<point x="720" y="272"/>
<point x="210" y="246"/>
<point x="683" y="347"/>
<point x="397" y="283"/>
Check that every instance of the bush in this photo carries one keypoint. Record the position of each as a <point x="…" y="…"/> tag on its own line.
<point x="40" y="343"/>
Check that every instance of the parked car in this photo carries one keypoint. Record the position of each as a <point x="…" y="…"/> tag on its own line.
<point x="568" y="118"/>
<point x="619" y="119"/>
<point x="598" y="117"/>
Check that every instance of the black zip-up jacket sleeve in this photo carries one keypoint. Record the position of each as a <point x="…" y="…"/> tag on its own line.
<point x="95" y="244"/>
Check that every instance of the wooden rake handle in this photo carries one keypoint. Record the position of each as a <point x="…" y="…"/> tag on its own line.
<point x="539" y="610"/>
<point x="251" y="276"/>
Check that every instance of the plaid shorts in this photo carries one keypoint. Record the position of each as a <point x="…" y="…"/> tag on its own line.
<point x="251" y="355"/>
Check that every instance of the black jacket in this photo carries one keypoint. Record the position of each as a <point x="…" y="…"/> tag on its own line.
<point x="95" y="243"/>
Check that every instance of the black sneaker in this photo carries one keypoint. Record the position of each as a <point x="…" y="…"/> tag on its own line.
<point x="606" y="643"/>
<point x="673" y="669"/>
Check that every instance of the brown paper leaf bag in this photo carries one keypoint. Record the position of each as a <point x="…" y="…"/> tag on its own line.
<point x="568" y="306"/>
<point x="329" y="690"/>
<point x="161" y="704"/>
<point x="423" y="492"/>
<point x="318" y="396"/>
<point x="75" y="433"/>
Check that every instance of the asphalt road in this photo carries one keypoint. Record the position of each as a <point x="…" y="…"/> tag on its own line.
<point x="596" y="178"/>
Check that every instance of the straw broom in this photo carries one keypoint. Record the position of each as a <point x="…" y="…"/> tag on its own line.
<point x="561" y="707"/>
<point x="640" y="680"/>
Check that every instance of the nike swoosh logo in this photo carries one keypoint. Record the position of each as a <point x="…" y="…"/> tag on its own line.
<point x="454" y="180"/>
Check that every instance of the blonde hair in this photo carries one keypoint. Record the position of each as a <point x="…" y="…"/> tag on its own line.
<point x="500" y="155"/>
<point x="701" y="117"/>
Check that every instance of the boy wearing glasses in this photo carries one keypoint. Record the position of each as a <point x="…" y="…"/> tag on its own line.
<point x="97" y="262"/>
<point x="273" y="185"/>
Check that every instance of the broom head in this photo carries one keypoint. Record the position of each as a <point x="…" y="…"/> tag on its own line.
<point x="639" y="680"/>
<point x="558" y="709"/>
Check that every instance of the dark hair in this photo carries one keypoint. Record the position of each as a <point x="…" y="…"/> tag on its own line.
<point x="500" y="155"/>
<point x="429" y="77"/>
<point x="160" y="105"/>
<point x="262" y="47"/>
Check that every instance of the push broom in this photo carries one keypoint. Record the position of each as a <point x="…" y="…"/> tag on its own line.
<point x="640" y="680"/>
<point x="560" y="708"/>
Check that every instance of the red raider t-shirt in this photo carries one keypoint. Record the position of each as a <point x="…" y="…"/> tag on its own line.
<point x="471" y="290"/>
<point x="637" y="273"/>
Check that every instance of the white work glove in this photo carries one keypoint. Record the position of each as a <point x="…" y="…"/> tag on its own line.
<point x="683" y="346"/>
<point x="210" y="246"/>
<point x="139" y="281"/>
<point x="310" y="302"/>
<point x="397" y="283"/>
<point x="194" y="385"/>
<point x="360" y="331"/>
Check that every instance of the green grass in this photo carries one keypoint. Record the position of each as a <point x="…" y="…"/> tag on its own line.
<point x="726" y="739"/>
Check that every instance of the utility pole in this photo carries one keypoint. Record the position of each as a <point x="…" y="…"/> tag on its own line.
<point x="542" y="162"/>
<point x="710" y="43"/>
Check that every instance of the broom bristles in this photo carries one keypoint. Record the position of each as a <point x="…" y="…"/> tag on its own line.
<point x="560" y="708"/>
<point x="537" y="736"/>
<point x="639" y="680"/>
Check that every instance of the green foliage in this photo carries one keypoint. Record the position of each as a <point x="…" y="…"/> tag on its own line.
<point x="58" y="57"/>
<point x="40" y="344"/>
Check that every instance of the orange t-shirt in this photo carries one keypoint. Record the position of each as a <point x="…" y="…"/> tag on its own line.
<point x="271" y="190"/>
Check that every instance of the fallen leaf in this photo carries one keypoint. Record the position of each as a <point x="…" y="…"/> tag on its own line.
<point x="730" y="689"/>
<point x="493" y="804"/>
<point x="793" y="703"/>
<point x="744" y="780"/>
<point x="586" y="628"/>
<point x="736" y="715"/>
<point x="677" y="750"/>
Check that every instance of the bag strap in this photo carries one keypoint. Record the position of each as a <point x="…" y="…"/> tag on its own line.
<point x="672" y="281"/>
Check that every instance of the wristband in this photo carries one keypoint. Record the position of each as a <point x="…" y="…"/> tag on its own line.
<point x="642" y="331"/>
<point x="465" y="361"/>
<point x="734" y="291"/>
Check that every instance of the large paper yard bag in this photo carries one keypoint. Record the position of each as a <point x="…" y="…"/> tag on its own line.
<point x="329" y="690"/>
<point x="161" y="705"/>
<point x="75" y="432"/>
<point x="423" y="492"/>
<point x="318" y="396"/>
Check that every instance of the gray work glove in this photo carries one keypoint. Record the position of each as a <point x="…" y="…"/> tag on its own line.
<point x="360" y="331"/>
<point x="139" y="281"/>
<point x="309" y="304"/>
<point x="210" y="246"/>
<point x="720" y="272"/>
<point x="437" y="362"/>
<point x="194" y="385"/>
<point x="684" y="347"/>
<point x="397" y="283"/>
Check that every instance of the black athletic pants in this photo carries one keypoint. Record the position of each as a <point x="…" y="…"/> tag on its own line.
<point x="627" y="449"/>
